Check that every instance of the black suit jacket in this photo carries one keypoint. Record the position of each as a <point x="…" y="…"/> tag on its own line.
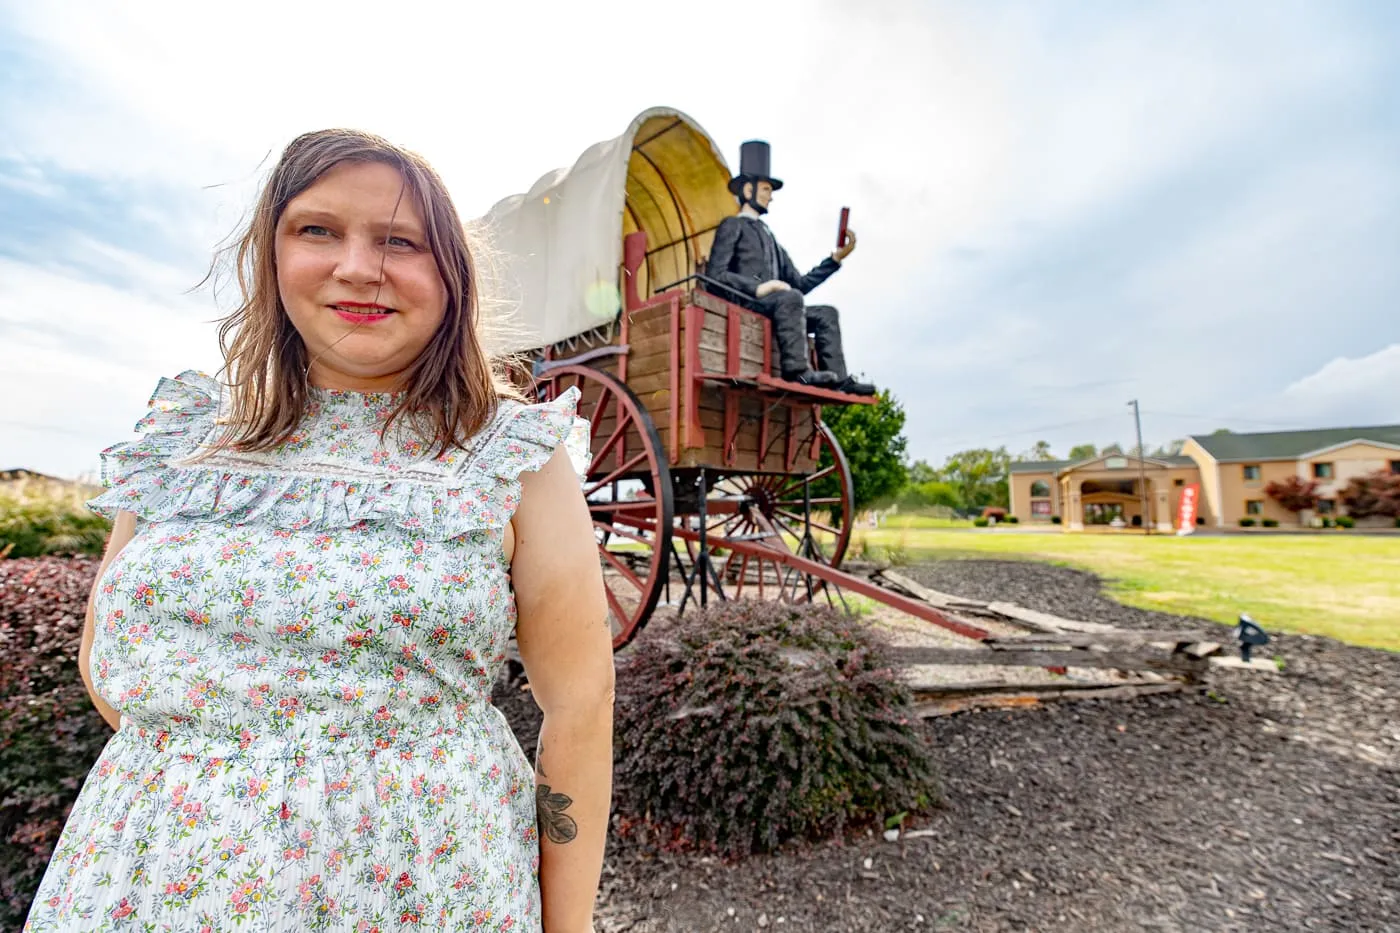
<point x="738" y="261"/>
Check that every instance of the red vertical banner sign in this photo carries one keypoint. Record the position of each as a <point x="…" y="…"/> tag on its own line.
<point x="1186" y="509"/>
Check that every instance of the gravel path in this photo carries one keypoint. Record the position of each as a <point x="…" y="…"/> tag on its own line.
<point x="1265" y="803"/>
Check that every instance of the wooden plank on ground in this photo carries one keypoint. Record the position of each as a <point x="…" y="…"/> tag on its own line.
<point x="1014" y="699"/>
<point x="932" y="597"/>
<point x="1094" y="639"/>
<point x="916" y="655"/>
<point x="1044" y="620"/>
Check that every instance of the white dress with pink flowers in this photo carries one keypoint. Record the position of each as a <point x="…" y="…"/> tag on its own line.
<point x="302" y="645"/>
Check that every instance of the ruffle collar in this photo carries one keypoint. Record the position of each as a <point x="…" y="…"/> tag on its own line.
<point x="169" y="474"/>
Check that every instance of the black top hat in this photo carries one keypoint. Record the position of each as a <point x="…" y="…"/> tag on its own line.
<point x="754" y="165"/>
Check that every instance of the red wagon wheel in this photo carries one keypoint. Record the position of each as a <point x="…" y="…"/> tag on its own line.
<point x="628" y="488"/>
<point x="798" y="513"/>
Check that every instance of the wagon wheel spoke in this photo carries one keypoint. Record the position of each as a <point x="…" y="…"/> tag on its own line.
<point x="600" y="454"/>
<point x="593" y="419"/>
<point x="616" y="474"/>
<point x="621" y="533"/>
<point x="628" y="485"/>
<point x="793" y="516"/>
<point x="814" y="500"/>
<point x="792" y="484"/>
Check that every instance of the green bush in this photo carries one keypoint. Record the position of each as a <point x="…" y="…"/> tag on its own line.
<point x="1012" y="520"/>
<point x="1246" y="523"/>
<point x="1270" y="523"/>
<point x="34" y="524"/>
<point x="1055" y="519"/>
<point x="981" y="521"/>
<point x="1327" y="523"/>
<point x="756" y="722"/>
<point x="1346" y="521"/>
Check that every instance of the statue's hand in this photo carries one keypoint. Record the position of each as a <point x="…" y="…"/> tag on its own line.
<point x="846" y="248"/>
<point x="771" y="286"/>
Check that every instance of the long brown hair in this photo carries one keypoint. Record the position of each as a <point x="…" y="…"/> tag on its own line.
<point x="450" y="391"/>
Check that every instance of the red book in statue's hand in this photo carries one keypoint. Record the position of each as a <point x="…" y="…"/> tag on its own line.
<point x="841" y="231"/>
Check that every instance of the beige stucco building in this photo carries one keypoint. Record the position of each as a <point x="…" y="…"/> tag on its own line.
<point x="1232" y="471"/>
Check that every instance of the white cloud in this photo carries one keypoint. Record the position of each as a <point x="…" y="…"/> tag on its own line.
<point x="1348" y="391"/>
<point x="78" y="361"/>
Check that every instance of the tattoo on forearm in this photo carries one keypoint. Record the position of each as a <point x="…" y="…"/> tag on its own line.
<point x="558" y="827"/>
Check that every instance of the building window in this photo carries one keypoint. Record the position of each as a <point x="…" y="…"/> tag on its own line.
<point x="1326" y="506"/>
<point x="1254" y="507"/>
<point x="1322" y="471"/>
<point x="1251" y="473"/>
<point x="1395" y="467"/>
<point x="1040" y="489"/>
<point x="1040" y="507"/>
<point x="1178" y="482"/>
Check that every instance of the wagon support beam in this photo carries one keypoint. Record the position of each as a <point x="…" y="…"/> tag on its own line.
<point x="845" y="581"/>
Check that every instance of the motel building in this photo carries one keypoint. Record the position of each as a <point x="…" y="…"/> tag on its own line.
<point x="1230" y="471"/>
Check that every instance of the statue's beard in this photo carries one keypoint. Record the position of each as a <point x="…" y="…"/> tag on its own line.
<point x="758" y="207"/>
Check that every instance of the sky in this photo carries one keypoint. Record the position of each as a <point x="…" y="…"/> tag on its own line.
<point x="1060" y="206"/>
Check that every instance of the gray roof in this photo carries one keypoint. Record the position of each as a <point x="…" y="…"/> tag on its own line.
<point x="1039" y="466"/>
<point x="1055" y="466"/>
<point x="1289" y="445"/>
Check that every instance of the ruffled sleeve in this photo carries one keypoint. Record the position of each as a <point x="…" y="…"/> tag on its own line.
<point x="528" y="436"/>
<point x="532" y="433"/>
<point x="138" y="474"/>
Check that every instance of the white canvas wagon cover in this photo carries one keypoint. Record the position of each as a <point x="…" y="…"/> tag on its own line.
<point x="557" y="248"/>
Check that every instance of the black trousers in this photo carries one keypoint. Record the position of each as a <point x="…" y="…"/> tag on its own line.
<point x="793" y="319"/>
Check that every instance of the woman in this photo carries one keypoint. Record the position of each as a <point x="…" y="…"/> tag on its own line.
<point x="310" y="585"/>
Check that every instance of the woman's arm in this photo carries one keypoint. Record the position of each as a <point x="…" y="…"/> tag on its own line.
<point x="123" y="527"/>
<point x="566" y="646"/>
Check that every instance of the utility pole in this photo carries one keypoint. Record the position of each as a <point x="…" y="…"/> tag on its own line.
<point x="1142" y="470"/>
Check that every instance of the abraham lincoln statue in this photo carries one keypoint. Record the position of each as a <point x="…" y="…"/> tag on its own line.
<point x="748" y="267"/>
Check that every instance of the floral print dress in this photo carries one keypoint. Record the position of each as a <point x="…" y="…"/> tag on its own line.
<point x="302" y="644"/>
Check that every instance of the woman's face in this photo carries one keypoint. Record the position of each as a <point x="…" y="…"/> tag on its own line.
<point x="357" y="278"/>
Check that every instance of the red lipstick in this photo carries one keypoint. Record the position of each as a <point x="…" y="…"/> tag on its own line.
<point x="361" y="312"/>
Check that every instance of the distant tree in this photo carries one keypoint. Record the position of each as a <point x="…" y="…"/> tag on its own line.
<point x="1375" y="493"/>
<point x="979" y="476"/>
<point x="870" y="436"/>
<point x="1111" y="449"/>
<point x="1039" y="453"/>
<point x="921" y="473"/>
<point x="1294" y="493"/>
<point x="1083" y="452"/>
<point x="1222" y="431"/>
<point x="927" y="495"/>
<point x="1170" y="449"/>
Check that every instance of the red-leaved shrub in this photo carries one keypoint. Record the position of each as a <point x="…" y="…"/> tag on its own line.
<point x="50" y="733"/>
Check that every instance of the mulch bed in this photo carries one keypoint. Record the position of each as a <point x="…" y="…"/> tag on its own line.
<point x="1261" y="803"/>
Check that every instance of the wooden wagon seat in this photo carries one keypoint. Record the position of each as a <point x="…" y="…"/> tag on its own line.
<point x="764" y="383"/>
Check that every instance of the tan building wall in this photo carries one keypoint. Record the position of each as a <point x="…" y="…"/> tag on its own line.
<point x="1237" y="492"/>
<point x="1347" y="462"/>
<point x="1172" y="480"/>
<point x="1178" y="478"/>
<point x="1208" y="475"/>
<point x="1021" y="498"/>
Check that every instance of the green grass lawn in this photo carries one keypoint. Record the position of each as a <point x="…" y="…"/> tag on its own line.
<point x="1344" y="587"/>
